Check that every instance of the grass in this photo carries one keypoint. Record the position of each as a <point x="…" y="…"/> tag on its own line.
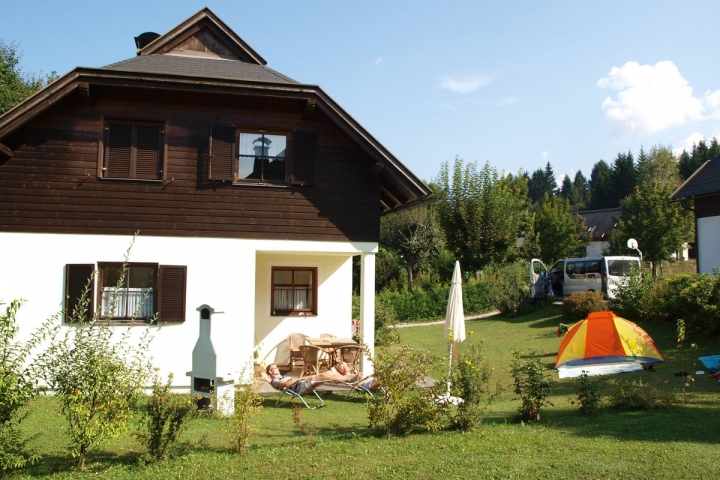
<point x="680" y="442"/>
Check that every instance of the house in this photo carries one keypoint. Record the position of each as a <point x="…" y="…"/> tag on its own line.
<point x="600" y="225"/>
<point x="703" y="189"/>
<point x="251" y="193"/>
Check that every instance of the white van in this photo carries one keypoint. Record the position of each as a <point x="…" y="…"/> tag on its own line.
<point x="570" y="275"/>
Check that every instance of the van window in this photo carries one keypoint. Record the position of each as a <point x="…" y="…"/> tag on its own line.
<point x="621" y="268"/>
<point x="592" y="267"/>
<point x="571" y="268"/>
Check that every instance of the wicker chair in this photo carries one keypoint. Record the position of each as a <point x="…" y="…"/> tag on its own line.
<point x="314" y="358"/>
<point x="350" y="354"/>
<point x="296" y="339"/>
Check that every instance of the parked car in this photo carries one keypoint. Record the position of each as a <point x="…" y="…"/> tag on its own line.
<point x="570" y="275"/>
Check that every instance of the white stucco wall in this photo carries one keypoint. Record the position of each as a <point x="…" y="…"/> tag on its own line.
<point x="708" y="239"/>
<point x="221" y="273"/>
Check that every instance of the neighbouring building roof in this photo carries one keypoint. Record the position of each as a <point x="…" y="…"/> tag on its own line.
<point x="705" y="181"/>
<point x="600" y="223"/>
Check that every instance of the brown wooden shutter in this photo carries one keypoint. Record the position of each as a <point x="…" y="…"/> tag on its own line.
<point x="304" y="153"/>
<point x="222" y="153"/>
<point x="171" y="298"/>
<point x="148" y="156"/>
<point x="76" y="280"/>
<point x="118" y="151"/>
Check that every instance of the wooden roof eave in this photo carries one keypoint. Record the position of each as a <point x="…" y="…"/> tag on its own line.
<point x="37" y="103"/>
<point x="371" y="145"/>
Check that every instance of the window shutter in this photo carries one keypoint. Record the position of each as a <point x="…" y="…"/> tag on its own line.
<point x="147" y="163"/>
<point x="304" y="152"/>
<point x="171" y="300"/>
<point x="118" y="151"/>
<point x="222" y="153"/>
<point x="76" y="280"/>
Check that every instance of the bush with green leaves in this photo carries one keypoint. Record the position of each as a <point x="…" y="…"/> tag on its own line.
<point x="580" y="304"/>
<point x="247" y="403"/>
<point x="510" y="288"/>
<point x="696" y="299"/>
<point x="589" y="394"/>
<point x="471" y="382"/>
<point x="164" y="418"/>
<point x="97" y="371"/>
<point x="18" y="385"/>
<point x="531" y="384"/>
<point x="636" y="296"/>
<point x="403" y="404"/>
<point x="636" y="395"/>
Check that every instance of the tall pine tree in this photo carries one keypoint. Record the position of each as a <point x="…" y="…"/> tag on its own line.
<point x="599" y="187"/>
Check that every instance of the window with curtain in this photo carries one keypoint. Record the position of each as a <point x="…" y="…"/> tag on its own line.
<point x="133" y="295"/>
<point x="294" y="291"/>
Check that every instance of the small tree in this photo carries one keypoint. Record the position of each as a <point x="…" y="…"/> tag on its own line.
<point x="164" y="418"/>
<point x="97" y="377"/>
<point x="247" y="402"/>
<point x="532" y="385"/>
<point x="402" y="405"/>
<point x="471" y="382"/>
<point x="18" y="385"/>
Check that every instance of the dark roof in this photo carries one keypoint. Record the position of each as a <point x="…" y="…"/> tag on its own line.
<point x="210" y="68"/>
<point x="601" y="222"/>
<point x="705" y="181"/>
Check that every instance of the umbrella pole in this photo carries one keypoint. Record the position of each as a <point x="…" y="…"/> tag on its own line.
<point x="449" y="368"/>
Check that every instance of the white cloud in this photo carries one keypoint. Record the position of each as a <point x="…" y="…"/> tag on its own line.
<point x="650" y="98"/>
<point x="694" y="139"/>
<point x="378" y="61"/>
<point x="545" y="155"/>
<point x="465" y="84"/>
<point x="687" y="144"/>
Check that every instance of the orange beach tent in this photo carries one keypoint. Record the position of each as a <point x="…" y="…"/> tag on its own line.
<point x="604" y="343"/>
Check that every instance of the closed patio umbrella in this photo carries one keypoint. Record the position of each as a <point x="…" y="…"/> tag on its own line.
<point x="454" y="327"/>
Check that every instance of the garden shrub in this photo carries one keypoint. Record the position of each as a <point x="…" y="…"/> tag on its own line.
<point x="18" y="385"/>
<point x="471" y="382"/>
<point x="636" y="395"/>
<point x="97" y="377"/>
<point x="509" y="285"/>
<point x="401" y="405"/>
<point x="247" y="402"/>
<point x="532" y="385"/>
<point x="637" y="296"/>
<point x="164" y="419"/>
<point x="589" y="394"/>
<point x="580" y="304"/>
<point x="696" y="299"/>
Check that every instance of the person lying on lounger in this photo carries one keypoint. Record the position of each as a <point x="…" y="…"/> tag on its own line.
<point x="299" y="385"/>
<point x="343" y="372"/>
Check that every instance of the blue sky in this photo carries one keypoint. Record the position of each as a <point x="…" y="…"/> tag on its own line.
<point x="514" y="83"/>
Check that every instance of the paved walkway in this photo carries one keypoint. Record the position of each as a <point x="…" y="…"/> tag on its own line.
<point x="440" y="322"/>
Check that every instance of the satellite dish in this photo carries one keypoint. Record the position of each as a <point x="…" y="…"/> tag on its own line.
<point x="632" y="244"/>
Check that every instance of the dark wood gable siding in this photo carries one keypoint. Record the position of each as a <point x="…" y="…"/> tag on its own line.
<point x="51" y="184"/>
<point x="707" y="206"/>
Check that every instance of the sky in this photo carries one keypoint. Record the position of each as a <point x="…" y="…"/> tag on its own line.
<point x="516" y="84"/>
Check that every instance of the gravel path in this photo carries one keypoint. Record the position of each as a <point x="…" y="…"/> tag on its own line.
<point x="440" y="322"/>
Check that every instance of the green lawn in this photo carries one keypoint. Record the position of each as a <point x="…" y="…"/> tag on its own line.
<point x="679" y="443"/>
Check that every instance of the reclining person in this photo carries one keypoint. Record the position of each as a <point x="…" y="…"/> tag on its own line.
<point x="342" y="370"/>
<point x="298" y="385"/>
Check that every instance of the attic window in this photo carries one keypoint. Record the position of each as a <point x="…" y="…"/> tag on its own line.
<point x="261" y="157"/>
<point x="133" y="151"/>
